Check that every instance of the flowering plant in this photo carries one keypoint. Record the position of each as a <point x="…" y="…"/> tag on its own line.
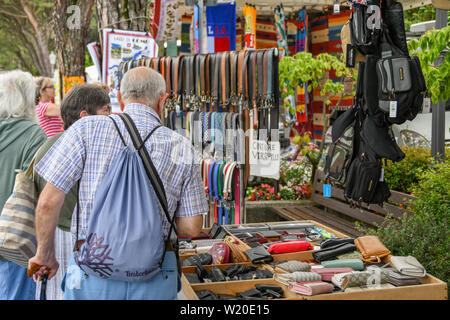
<point x="262" y="192"/>
<point x="293" y="184"/>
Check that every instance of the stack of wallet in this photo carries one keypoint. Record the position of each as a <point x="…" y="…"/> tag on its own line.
<point x="328" y="273"/>
<point x="311" y="288"/>
<point x="399" y="280"/>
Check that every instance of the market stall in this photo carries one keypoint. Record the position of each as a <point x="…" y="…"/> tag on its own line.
<point x="254" y="261"/>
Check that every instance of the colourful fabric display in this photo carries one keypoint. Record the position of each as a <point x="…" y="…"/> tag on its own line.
<point x="196" y="30"/>
<point x="266" y="33"/>
<point x="280" y="23"/>
<point x="221" y="27"/>
<point x="291" y="35"/>
<point x="168" y="23"/>
<point x="250" y="27"/>
<point x="185" y="31"/>
<point x="239" y="34"/>
<point x="302" y="31"/>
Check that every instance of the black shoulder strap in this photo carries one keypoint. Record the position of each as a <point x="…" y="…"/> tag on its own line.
<point x="148" y="164"/>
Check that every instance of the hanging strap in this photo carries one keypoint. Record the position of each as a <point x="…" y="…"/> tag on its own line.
<point x="152" y="173"/>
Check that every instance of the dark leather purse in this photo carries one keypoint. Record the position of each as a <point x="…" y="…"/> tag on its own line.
<point x="333" y="242"/>
<point x="258" y="255"/>
<point x="331" y="253"/>
<point x="198" y="259"/>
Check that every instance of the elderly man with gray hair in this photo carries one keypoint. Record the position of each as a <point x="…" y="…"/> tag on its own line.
<point x="84" y="153"/>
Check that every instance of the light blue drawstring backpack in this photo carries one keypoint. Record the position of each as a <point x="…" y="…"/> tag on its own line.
<point x="125" y="235"/>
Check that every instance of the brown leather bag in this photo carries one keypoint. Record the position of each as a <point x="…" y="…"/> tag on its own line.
<point x="372" y="249"/>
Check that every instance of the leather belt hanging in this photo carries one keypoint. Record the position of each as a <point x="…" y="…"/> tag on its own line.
<point x="217" y="98"/>
<point x="225" y="79"/>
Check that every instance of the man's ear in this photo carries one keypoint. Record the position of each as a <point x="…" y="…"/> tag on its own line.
<point x="83" y="113"/>
<point x="161" y="102"/>
<point x="119" y="99"/>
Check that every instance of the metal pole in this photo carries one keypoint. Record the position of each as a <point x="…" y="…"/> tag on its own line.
<point x="438" y="111"/>
<point x="200" y="5"/>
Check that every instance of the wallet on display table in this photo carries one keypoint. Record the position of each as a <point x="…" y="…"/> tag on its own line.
<point x="338" y="268"/>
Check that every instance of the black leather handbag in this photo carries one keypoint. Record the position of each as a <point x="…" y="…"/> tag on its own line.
<point x="331" y="253"/>
<point x="333" y="242"/>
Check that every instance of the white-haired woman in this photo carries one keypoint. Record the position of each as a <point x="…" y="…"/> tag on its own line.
<point x="20" y="138"/>
<point x="49" y="113"/>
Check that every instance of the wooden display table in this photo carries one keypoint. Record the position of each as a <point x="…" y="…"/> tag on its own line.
<point x="430" y="288"/>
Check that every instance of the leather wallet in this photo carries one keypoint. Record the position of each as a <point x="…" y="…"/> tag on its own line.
<point x="298" y="276"/>
<point x="201" y="272"/>
<point x="360" y="278"/>
<point x="331" y="253"/>
<point x="332" y="242"/>
<point x="259" y="255"/>
<point x="201" y="259"/>
<point x="289" y="246"/>
<point x="220" y="253"/>
<point x="328" y="273"/>
<point x="409" y="266"/>
<point x="399" y="280"/>
<point x="216" y="275"/>
<point x="355" y="264"/>
<point x="193" y="278"/>
<point x="372" y="249"/>
<point x="252" y="293"/>
<point x="234" y="270"/>
<point x="207" y="295"/>
<point x="311" y="288"/>
<point x="270" y="290"/>
<point x="294" y="265"/>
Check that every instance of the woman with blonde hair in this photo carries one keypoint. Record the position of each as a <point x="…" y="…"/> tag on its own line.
<point x="49" y="113"/>
<point x="20" y="138"/>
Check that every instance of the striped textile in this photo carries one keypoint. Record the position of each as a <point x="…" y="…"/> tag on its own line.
<point x="266" y="34"/>
<point x="291" y="35"/>
<point x="239" y="34"/>
<point x="17" y="232"/>
<point x="185" y="30"/>
<point x="51" y="125"/>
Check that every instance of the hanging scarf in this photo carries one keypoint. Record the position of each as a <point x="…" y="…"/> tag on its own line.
<point x="302" y="31"/>
<point x="280" y="23"/>
<point x="196" y="30"/>
<point x="250" y="27"/>
<point x="300" y="46"/>
<point x="168" y="23"/>
<point x="185" y="32"/>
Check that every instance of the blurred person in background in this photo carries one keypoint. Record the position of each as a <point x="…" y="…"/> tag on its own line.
<point x="49" y="113"/>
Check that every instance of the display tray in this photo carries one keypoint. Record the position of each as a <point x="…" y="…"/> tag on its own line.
<point x="430" y="288"/>
<point x="302" y="255"/>
<point x="231" y="288"/>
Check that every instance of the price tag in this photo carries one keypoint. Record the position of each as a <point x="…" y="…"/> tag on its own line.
<point x="393" y="109"/>
<point x="336" y="8"/>
<point x="327" y="190"/>
<point x="426" y="105"/>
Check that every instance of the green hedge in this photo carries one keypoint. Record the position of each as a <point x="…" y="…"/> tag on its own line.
<point x="423" y="234"/>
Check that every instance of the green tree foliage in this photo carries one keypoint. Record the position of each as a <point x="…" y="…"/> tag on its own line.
<point x="303" y="67"/>
<point x="428" y="47"/>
